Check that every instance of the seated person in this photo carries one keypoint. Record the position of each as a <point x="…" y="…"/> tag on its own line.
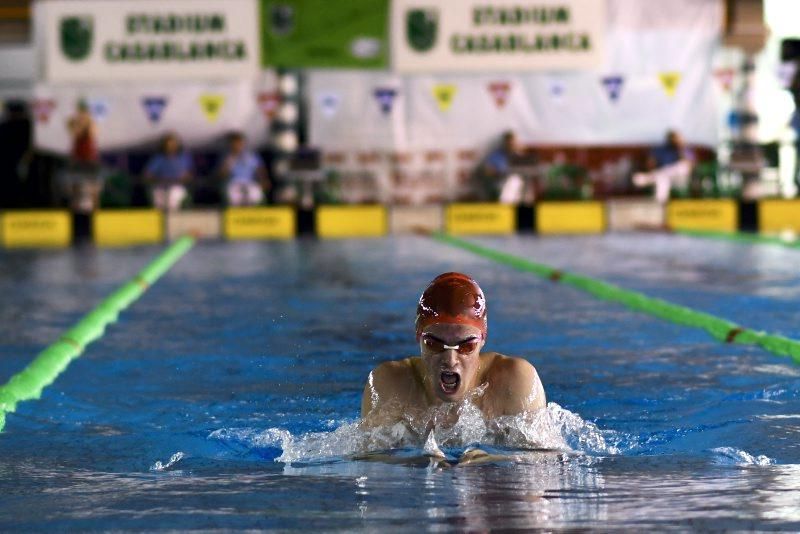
<point x="245" y="173"/>
<point x="498" y="179"/>
<point x="168" y="172"/>
<point x="429" y="390"/>
<point x="669" y="165"/>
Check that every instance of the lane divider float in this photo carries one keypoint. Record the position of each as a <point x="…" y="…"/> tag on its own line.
<point x="741" y="237"/>
<point x="719" y="328"/>
<point x="29" y="383"/>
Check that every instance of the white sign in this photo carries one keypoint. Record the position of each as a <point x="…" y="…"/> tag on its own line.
<point x="114" y="40"/>
<point x="474" y="35"/>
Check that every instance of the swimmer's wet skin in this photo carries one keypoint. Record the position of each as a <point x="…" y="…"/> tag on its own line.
<point x="429" y="391"/>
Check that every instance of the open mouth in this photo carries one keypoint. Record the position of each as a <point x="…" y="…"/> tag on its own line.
<point x="449" y="382"/>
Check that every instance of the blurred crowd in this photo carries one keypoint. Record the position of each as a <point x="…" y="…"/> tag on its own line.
<point x="170" y="177"/>
<point x="84" y="181"/>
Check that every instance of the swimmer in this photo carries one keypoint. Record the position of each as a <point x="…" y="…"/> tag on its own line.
<point x="430" y="390"/>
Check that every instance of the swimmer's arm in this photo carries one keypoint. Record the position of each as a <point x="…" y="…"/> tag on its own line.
<point x="376" y="408"/>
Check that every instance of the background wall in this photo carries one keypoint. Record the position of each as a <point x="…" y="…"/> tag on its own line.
<point x="656" y="75"/>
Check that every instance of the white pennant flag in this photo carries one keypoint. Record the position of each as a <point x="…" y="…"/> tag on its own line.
<point x="329" y="103"/>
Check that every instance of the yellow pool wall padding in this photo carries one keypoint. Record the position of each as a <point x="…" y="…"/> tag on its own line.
<point x="720" y="215"/>
<point x="352" y="221"/>
<point x="480" y="219"/>
<point x="778" y="215"/>
<point x="36" y="228"/>
<point x="579" y="217"/>
<point x="273" y="222"/>
<point x="114" y="228"/>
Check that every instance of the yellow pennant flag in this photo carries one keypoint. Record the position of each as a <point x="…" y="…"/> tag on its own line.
<point x="211" y="105"/>
<point x="670" y="82"/>
<point x="444" y="93"/>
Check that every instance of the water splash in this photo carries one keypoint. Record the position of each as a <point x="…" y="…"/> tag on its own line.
<point x="734" y="456"/>
<point x="551" y="428"/>
<point x="174" y="459"/>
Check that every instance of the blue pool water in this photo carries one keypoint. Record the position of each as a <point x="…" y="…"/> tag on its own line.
<point x="226" y="397"/>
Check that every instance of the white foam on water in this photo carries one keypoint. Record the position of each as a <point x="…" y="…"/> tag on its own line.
<point x="550" y="428"/>
<point x="734" y="456"/>
<point x="174" y="459"/>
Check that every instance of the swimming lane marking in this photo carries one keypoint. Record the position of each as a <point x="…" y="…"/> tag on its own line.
<point x="719" y="328"/>
<point x="29" y="383"/>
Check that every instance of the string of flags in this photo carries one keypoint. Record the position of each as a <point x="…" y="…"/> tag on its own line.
<point x="724" y="77"/>
<point x="329" y="103"/>
<point x="98" y="107"/>
<point x="499" y="92"/>
<point x="613" y="86"/>
<point x="444" y="94"/>
<point x="268" y="102"/>
<point x="211" y="105"/>
<point x="385" y="97"/>
<point x="154" y="107"/>
<point x="42" y="109"/>
<point x="670" y="81"/>
<point x="557" y="89"/>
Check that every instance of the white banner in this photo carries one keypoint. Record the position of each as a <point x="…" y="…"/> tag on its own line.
<point x="655" y="75"/>
<point x="357" y="109"/>
<point x="131" y="115"/>
<point x="479" y="36"/>
<point x="102" y="40"/>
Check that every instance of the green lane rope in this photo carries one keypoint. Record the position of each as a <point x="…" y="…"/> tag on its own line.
<point x="720" y="329"/>
<point x="741" y="237"/>
<point x="29" y="383"/>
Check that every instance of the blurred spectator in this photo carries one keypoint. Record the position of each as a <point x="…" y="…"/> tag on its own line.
<point x="83" y="181"/>
<point x="497" y="176"/>
<point x="245" y="173"/>
<point x="15" y="152"/>
<point x="168" y="172"/>
<point x="669" y="165"/>
<point x="794" y="122"/>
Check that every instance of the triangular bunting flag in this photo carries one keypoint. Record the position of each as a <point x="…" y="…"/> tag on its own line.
<point x="725" y="78"/>
<point x="211" y="105"/>
<point x="385" y="97"/>
<point x="329" y="103"/>
<point x="444" y="93"/>
<point x="670" y="82"/>
<point x="154" y="107"/>
<point x="499" y="91"/>
<point x="613" y="86"/>
<point x="98" y="107"/>
<point x="42" y="108"/>
<point x="268" y="103"/>
<point x="557" y="89"/>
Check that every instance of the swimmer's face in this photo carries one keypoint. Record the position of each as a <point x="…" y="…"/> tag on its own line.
<point x="451" y="373"/>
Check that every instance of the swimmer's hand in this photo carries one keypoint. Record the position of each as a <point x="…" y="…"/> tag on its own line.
<point x="478" y="456"/>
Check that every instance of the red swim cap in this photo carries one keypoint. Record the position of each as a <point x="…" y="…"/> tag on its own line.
<point x="452" y="298"/>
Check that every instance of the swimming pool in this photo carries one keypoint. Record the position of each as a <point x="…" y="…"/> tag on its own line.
<point x="225" y="396"/>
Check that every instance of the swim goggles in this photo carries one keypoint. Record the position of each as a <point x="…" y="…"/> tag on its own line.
<point x="434" y="344"/>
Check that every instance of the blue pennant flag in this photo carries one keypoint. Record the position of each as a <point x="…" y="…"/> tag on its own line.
<point x="385" y="97"/>
<point x="98" y="107"/>
<point x="613" y="85"/>
<point x="154" y="107"/>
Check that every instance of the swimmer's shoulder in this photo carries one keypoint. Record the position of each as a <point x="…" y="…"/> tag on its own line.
<point x="397" y="375"/>
<point x="517" y="381"/>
